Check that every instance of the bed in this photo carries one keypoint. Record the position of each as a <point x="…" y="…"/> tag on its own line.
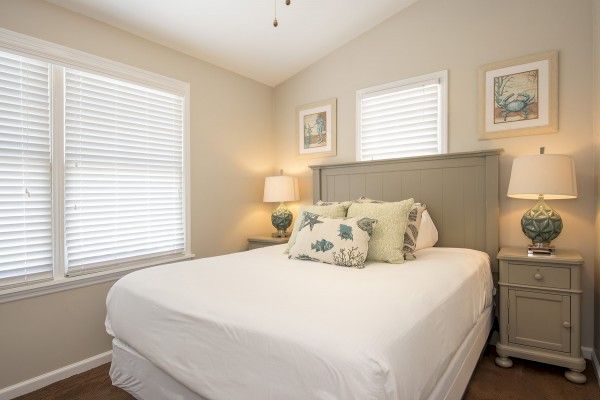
<point x="255" y="325"/>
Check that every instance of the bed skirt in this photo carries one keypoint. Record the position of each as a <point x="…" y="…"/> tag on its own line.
<point x="135" y="374"/>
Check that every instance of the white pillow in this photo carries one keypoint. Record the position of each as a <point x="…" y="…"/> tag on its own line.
<point x="343" y="242"/>
<point x="428" y="233"/>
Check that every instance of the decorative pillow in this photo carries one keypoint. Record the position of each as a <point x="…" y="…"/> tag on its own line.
<point x="332" y="211"/>
<point x="363" y="199"/>
<point x="343" y="242"/>
<point x="333" y="203"/>
<point x="412" y="230"/>
<point x="428" y="233"/>
<point x="387" y="240"/>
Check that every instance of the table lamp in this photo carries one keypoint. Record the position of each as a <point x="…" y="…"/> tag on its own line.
<point x="542" y="177"/>
<point x="279" y="189"/>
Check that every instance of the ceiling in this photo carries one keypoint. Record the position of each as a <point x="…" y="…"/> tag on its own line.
<point x="238" y="34"/>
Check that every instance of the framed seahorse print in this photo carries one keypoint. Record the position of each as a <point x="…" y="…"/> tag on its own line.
<point x="519" y="97"/>
<point x="317" y="126"/>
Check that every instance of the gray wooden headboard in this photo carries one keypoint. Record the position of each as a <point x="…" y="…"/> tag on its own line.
<point x="460" y="190"/>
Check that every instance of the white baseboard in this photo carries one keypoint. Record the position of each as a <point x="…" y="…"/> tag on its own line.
<point x="587" y="352"/>
<point x="596" y="366"/>
<point x="38" y="382"/>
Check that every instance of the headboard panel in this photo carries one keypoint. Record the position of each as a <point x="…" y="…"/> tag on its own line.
<point x="460" y="190"/>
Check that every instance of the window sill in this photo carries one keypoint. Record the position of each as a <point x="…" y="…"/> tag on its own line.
<point x="73" y="282"/>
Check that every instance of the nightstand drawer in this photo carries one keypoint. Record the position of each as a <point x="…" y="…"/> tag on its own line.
<point x="533" y="275"/>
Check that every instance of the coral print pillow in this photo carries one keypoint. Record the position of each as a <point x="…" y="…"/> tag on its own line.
<point x="343" y="242"/>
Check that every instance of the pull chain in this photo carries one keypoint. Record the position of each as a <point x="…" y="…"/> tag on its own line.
<point x="275" y="22"/>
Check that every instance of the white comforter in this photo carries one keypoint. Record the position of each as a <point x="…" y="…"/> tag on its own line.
<point x="255" y="325"/>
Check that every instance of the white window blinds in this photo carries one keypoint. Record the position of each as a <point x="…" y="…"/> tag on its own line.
<point x="402" y="119"/>
<point x="123" y="172"/>
<point x="25" y="172"/>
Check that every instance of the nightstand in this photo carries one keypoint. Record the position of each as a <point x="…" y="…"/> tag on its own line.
<point x="259" y="241"/>
<point x="540" y="316"/>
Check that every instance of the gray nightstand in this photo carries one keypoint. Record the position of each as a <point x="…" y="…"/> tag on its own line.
<point x="540" y="319"/>
<point x="258" y="241"/>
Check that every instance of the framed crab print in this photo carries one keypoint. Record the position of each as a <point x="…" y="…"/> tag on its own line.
<point x="316" y="130"/>
<point x="519" y="97"/>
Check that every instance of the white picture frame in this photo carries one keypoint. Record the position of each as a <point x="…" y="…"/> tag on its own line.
<point x="519" y="97"/>
<point x="316" y="129"/>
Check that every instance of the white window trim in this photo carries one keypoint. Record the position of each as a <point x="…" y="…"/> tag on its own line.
<point x="28" y="46"/>
<point x="440" y="76"/>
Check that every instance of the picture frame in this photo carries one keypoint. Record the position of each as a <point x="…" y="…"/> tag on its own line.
<point x="316" y="129"/>
<point x="519" y="97"/>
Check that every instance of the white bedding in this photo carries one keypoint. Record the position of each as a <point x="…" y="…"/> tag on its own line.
<point x="255" y="325"/>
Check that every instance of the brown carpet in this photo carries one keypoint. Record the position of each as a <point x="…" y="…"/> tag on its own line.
<point x="90" y="385"/>
<point x="526" y="380"/>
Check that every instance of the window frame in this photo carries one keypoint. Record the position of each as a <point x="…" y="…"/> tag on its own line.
<point x="440" y="76"/>
<point x="61" y="57"/>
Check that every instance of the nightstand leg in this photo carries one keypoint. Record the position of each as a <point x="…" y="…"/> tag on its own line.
<point x="575" y="376"/>
<point x="504" y="362"/>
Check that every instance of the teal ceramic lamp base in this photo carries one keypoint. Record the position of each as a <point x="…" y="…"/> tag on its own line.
<point x="541" y="224"/>
<point x="281" y="220"/>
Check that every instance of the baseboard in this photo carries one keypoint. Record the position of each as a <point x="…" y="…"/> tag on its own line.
<point x="587" y="352"/>
<point x="596" y="366"/>
<point x="38" y="382"/>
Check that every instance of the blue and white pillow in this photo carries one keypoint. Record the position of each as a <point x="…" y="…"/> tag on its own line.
<point x="338" y="241"/>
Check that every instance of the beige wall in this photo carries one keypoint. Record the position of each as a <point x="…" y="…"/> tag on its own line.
<point x="231" y="134"/>
<point x="596" y="127"/>
<point x="461" y="35"/>
<point x="231" y="152"/>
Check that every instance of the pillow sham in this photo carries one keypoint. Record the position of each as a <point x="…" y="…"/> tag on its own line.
<point x="337" y="210"/>
<point x="412" y="230"/>
<point x="428" y="233"/>
<point x="343" y="242"/>
<point x="387" y="241"/>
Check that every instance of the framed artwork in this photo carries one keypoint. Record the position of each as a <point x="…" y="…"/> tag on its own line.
<point x="316" y="128"/>
<point x="519" y="97"/>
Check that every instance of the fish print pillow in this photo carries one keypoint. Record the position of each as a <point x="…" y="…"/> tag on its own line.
<point x="333" y="210"/>
<point x="343" y="242"/>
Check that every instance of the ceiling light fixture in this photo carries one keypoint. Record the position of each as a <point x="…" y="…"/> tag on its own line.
<point x="275" y="22"/>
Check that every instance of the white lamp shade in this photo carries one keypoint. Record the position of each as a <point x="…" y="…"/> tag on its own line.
<point x="551" y="175"/>
<point x="280" y="188"/>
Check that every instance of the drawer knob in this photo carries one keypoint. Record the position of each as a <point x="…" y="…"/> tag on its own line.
<point x="538" y="276"/>
<point x="567" y="324"/>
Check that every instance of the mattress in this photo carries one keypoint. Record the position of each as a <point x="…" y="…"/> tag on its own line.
<point x="132" y="372"/>
<point x="256" y="325"/>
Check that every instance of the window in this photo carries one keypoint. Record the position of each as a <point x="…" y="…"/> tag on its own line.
<point x="25" y="175"/>
<point x="93" y="164"/>
<point x="402" y="119"/>
<point x="123" y="171"/>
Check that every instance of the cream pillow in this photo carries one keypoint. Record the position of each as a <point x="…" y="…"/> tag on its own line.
<point x="428" y="233"/>
<point x="387" y="241"/>
<point x="337" y="210"/>
<point x="343" y="242"/>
